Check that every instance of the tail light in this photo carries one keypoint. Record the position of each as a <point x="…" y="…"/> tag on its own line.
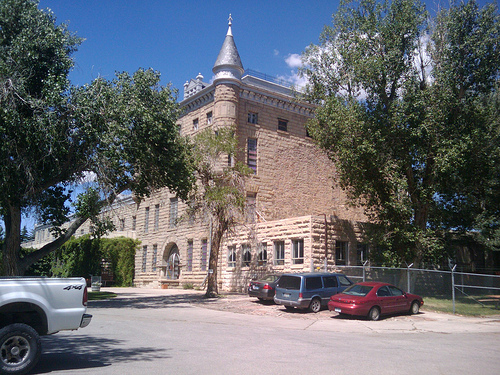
<point x="300" y="296"/>
<point x="267" y="286"/>
<point x="85" y="296"/>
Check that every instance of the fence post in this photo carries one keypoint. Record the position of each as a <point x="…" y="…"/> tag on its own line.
<point x="364" y="272"/>
<point x="408" y="277"/>
<point x="453" y="286"/>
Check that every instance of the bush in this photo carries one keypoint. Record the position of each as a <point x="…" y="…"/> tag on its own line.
<point x="84" y="256"/>
<point x="121" y="253"/>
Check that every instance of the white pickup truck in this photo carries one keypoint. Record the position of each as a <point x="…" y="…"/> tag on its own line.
<point x="30" y="307"/>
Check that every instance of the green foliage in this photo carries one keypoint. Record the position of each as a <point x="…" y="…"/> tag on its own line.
<point x="409" y="114"/>
<point x="78" y="257"/>
<point x="121" y="253"/>
<point x="120" y="133"/>
<point x="83" y="257"/>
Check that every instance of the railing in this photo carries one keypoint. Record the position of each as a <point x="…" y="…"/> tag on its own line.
<point x="268" y="78"/>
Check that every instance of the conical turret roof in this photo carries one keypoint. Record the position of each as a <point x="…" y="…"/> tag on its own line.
<point x="229" y="58"/>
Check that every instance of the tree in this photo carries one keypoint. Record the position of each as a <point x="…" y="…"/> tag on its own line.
<point x="407" y="113"/>
<point x="121" y="134"/>
<point x="221" y="196"/>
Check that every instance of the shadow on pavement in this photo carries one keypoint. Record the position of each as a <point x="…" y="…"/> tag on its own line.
<point x="151" y="302"/>
<point x="62" y="353"/>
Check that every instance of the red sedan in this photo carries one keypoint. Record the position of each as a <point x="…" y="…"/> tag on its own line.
<point x="374" y="299"/>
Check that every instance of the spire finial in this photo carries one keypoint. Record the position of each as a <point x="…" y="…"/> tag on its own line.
<point x="230" y="22"/>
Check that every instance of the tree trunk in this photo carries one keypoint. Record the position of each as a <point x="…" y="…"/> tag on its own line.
<point x="12" y="220"/>
<point x="212" y="287"/>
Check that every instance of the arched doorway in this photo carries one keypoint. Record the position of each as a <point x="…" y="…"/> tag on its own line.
<point x="173" y="270"/>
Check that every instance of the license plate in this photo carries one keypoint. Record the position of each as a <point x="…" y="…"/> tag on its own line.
<point x="255" y="287"/>
<point x="286" y="295"/>
<point x="337" y="310"/>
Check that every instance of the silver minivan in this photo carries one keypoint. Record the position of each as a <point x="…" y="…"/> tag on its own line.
<point x="309" y="290"/>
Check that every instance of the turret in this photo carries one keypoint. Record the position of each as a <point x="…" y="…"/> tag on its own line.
<point x="228" y="70"/>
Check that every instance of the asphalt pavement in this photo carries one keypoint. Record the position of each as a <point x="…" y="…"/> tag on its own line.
<point x="178" y="332"/>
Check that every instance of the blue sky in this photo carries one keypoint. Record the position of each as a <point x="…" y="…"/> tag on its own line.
<point x="182" y="38"/>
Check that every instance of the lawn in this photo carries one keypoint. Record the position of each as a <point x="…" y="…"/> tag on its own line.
<point x="468" y="306"/>
<point x="97" y="296"/>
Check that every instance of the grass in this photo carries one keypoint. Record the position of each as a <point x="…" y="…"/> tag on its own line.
<point x="463" y="306"/>
<point x="98" y="296"/>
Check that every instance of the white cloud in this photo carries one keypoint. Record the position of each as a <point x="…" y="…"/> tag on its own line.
<point x="294" y="60"/>
<point x="276" y="52"/>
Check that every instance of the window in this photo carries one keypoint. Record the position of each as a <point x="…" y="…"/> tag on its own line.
<point x="134" y="222"/>
<point x="330" y="281"/>
<point x="173" y="212"/>
<point x="262" y="256"/>
<point x="157" y="216"/>
<point x="155" y="255"/>
<point x="247" y="255"/>
<point x="190" y="256"/>
<point x="203" y="265"/>
<point x="209" y="118"/>
<point x="279" y="253"/>
<point x="282" y="125"/>
<point x="231" y="256"/>
<point x="253" y="117"/>
<point x="314" y="283"/>
<point x="82" y="232"/>
<point x="362" y="253"/>
<point x="144" y="257"/>
<point x="383" y="292"/>
<point x="298" y="251"/>
<point x="195" y="124"/>
<point x="146" y="220"/>
<point x="341" y="248"/>
<point x="344" y="281"/>
<point x="250" y="211"/>
<point x="252" y="154"/>
<point x="395" y="291"/>
<point x="122" y="224"/>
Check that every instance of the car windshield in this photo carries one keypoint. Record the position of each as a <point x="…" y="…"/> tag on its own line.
<point x="289" y="282"/>
<point x="358" y="290"/>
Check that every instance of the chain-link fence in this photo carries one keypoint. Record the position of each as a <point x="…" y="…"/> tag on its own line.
<point x="436" y="283"/>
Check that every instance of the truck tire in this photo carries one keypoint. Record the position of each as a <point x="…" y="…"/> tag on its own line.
<point x="20" y="348"/>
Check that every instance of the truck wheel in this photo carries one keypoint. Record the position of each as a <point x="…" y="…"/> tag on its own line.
<point x="20" y="348"/>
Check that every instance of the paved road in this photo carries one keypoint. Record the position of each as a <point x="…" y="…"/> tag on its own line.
<point x="149" y="331"/>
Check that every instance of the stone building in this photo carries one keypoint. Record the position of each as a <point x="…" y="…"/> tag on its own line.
<point x="298" y="219"/>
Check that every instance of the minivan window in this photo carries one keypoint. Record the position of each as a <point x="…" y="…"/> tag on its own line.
<point x="330" y="281"/>
<point x="344" y="281"/>
<point x="313" y="283"/>
<point x="289" y="282"/>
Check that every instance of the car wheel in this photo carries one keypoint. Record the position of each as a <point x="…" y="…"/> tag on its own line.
<point x="374" y="313"/>
<point x="315" y="305"/>
<point x="415" y="308"/>
<point x="289" y="308"/>
<point x="20" y="349"/>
